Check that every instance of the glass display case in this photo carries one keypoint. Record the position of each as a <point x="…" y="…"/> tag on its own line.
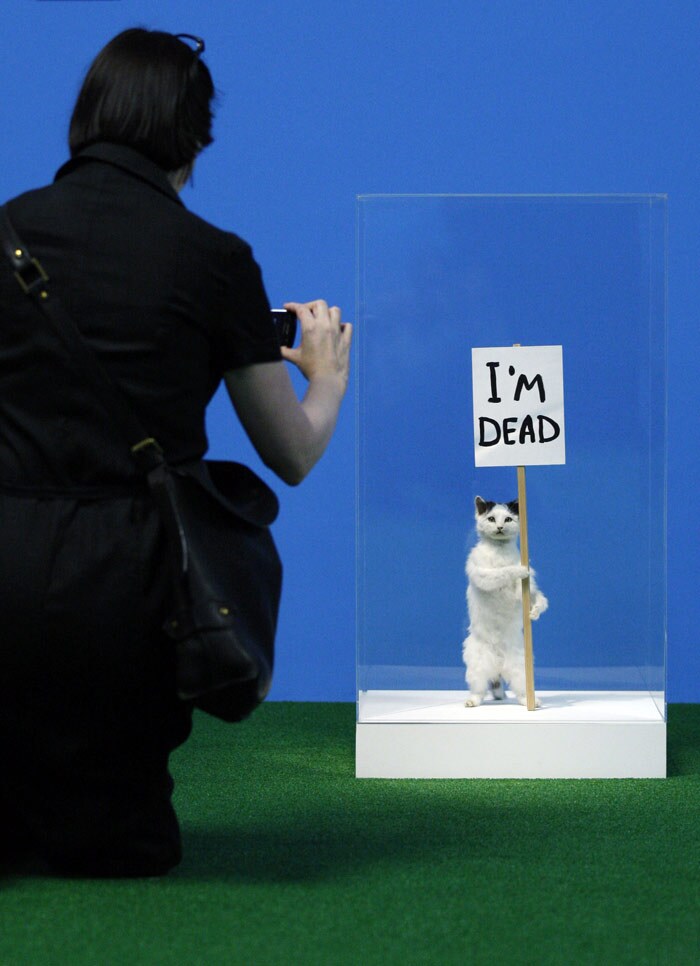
<point x="440" y="275"/>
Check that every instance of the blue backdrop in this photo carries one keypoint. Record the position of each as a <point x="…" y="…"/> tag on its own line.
<point x="320" y="101"/>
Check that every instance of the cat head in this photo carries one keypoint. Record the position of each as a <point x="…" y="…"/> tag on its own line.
<point x="497" y="521"/>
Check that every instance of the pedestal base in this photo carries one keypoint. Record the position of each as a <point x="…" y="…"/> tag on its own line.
<point x="575" y="734"/>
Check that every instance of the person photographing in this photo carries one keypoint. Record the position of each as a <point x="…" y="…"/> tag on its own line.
<point x="169" y="306"/>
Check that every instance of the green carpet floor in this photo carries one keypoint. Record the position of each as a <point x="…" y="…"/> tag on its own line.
<point x="291" y="860"/>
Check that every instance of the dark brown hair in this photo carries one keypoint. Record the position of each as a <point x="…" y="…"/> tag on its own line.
<point x="150" y="91"/>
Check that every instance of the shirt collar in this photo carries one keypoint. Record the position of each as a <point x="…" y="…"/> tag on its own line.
<point x="128" y="160"/>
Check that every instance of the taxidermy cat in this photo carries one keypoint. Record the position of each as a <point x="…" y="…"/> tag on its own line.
<point x="493" y="650"/>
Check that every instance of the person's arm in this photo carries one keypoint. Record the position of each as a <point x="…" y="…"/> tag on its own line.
<point x="290" y="435"/>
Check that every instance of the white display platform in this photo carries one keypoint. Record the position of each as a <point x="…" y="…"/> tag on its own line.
<point x="574" y="734"/>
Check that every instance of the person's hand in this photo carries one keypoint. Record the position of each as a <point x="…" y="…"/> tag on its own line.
<point x="324" y="350"/>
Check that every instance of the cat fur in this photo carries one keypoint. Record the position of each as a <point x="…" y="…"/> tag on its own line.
<point x="493" y="650"/>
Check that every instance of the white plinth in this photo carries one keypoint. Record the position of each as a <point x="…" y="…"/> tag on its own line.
<point x="574" y="734"/>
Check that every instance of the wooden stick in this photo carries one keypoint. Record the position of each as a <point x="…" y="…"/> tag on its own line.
<point x="525" y="561"/>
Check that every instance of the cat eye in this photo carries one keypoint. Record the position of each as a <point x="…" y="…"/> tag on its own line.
<point x="508" y="520"/>
<point x="492" y="519"/>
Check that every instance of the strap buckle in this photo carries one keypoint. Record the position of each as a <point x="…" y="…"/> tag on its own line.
<point x="39" y="279"/>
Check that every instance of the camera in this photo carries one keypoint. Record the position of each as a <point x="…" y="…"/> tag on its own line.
<point x="285" y="323"/>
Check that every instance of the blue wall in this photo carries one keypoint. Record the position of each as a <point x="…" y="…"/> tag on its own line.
<point x="323" y="100"/>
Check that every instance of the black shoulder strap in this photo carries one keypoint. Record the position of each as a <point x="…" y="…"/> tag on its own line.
<point x="36" y="284"/>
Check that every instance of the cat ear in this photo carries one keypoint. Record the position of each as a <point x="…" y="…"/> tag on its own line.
<point x="482" y="506"/>
<point x="513" y="507"/>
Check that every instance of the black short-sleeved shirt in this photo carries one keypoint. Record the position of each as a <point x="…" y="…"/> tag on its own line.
<point x="168" y="302"/>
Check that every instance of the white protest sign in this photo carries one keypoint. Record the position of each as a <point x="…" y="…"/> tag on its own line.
<point x="518" y="394"/>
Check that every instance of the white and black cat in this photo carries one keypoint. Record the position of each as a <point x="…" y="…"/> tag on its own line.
<point x="493" y="650"/>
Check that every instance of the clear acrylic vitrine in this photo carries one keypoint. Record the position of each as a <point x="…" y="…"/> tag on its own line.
<point x="438" y="275"/>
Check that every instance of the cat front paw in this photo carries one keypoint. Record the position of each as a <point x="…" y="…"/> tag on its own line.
<point x="539" y="607"/>
<point x="473" y="700"/>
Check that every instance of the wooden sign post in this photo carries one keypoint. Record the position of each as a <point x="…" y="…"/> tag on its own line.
<point x="518" y="395"/>
<point x="527" y="623"/>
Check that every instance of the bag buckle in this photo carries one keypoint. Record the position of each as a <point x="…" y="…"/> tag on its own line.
<point x="29" y="281"/>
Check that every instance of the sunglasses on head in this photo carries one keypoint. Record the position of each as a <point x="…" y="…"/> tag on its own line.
<point x="197" y="41"/>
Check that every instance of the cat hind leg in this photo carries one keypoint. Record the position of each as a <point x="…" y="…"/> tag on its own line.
<point x="474" y="698"/>
<point x="482" y="670"/>
<point x="514" y="673"/>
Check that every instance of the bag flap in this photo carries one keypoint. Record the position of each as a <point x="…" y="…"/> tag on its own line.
<point x="236" y="487"/>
